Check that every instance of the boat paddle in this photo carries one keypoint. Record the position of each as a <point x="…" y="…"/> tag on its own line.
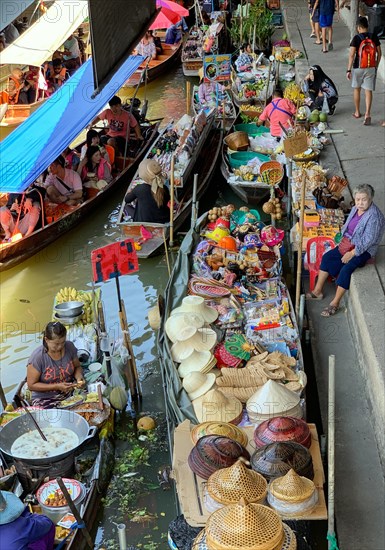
<point x="75" y="512"/>
<point x="24" y="404"/>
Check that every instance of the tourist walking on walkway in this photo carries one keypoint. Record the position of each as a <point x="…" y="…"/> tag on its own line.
<point x="364" y="58"/>
<point x="361" y="236"/>
<point x="326" y="14"/>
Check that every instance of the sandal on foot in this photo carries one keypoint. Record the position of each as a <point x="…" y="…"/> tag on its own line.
<point x="356" y="116"/>
<point x="367" y="121"/>
<point x="329" y="311"/>
<point x="318" y="43"/>
<point x="325" y="51"/>
<point x="312" y="35"/>
<point x="312" y="296"/>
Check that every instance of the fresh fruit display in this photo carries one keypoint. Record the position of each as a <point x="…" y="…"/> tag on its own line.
<point x="252" y="91"/>
<point x="294" y="93"/>
<point x="286" y="54"/>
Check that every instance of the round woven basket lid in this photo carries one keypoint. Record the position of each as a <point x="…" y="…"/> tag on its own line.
<point x="282" y="428"/>
<point x="219" y="428"/>
<point x="289" y="542"/>
<point x="292" y="487"/>
<point x="229" y="485"/>
<point x="276" y="459"/>
<point x="244" y="526"/>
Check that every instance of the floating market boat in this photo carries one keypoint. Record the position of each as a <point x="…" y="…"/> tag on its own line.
<point x="252" y="87"/>
<point x="151" y="237"/>
<point x="192" y="52"/>
<point x="226" y="113"/>
<point x="156" y="67"/>
<point x="193" y="274"/>
<point x="62" y="218"/>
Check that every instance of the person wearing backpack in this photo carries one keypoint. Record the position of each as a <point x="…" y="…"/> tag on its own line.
<point x="364" y="58"/>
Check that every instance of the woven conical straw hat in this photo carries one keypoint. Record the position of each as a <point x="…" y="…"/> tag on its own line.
<point x="219" y="428"/>
<point x="272" y="399"/>
<point x="289" y="543"/>
<point x="244" y="526"/>
<point x="214" y="406"/>
<point x="229" y="485"/>
<point x="292" y="487"/>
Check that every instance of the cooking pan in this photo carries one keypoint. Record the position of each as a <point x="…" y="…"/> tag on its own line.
<point x="46" y="418"/>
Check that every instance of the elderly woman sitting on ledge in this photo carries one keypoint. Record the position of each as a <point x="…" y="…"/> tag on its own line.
<point x="361" y="235"/>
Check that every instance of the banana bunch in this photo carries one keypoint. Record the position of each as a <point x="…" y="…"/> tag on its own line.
<point x="88" y="315"/>
<point x="294" y="93"/>
<point x="66" y="294"/>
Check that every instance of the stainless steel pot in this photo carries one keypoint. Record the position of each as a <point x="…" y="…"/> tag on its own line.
<point x="46" y="418"/>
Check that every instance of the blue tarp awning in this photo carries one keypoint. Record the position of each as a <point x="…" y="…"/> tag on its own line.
<point x="31" y="147"/>
<point x="11" y="9"/>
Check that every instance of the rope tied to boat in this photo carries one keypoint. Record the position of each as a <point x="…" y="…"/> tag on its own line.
<point x="331" y="537"/>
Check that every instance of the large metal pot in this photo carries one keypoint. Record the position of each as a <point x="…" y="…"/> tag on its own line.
<point x="46" y="418"/>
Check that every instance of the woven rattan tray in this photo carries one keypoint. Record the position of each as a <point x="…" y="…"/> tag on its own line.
<point x="190" y="488"/>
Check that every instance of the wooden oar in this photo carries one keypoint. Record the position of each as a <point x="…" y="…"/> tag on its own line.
<point x="75" y="512"/>
<point x="25" y="407"/>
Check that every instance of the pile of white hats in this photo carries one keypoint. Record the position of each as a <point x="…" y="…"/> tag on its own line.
<point x="187" y="327"/>
<point x="271" y="400"/>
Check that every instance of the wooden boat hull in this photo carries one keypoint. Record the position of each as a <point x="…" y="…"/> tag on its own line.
<point x="191" y="67"/>
<point x="15" y="115"/>
<point x="204" y="165"/>
<point x="231" y="112"/>
<point x="14" y="253"/>
<point x="158" y="66"/>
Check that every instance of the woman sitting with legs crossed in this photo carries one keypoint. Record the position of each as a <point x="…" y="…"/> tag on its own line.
<point x="361" y="235"/>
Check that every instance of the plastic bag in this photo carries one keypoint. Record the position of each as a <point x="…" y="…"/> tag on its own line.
<point x="119" y="360"/>
<point x="325" y="105"/>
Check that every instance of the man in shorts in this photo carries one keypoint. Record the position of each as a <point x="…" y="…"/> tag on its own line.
<point x="364" y="78"/>
<point x="326" y="14"/>
<point x="314" y="22"/>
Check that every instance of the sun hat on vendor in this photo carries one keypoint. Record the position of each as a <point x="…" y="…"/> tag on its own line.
<point x="11" y="507"/>
<point x="150" y="171"/>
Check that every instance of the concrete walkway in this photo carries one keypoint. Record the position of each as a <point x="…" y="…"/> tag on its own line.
<point x="357" y="334"/>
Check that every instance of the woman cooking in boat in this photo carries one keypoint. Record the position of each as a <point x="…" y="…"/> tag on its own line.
<point x="150" y="193"/>
<point x="54" y="369"/>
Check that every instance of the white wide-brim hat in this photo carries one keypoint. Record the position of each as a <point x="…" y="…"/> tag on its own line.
<point x="182" y="326"/>
<point x="196" y="304"/>
<point x="196" y="362"/>
<point x="204" y="339"/>
<point x="197" y="384"/>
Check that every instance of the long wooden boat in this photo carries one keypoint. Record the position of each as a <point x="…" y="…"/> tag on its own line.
<point x="201" y="163"/>
<point x="15" y="115"/>
<point x="156" y="67"/>
<point x="192" y="54"/>
<point x="178" y="404"/>
<point x="16" y="252"/>
<point x="230" y="113"/>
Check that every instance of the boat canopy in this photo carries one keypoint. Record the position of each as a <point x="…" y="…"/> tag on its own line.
<point x="11" y="9"/>
<point x="33" y="145"/>
<point x="43" y="38"/>
<point x="119" y="27"/>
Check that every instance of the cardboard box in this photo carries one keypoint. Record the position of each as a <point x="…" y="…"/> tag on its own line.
<point x="190" y="487"/>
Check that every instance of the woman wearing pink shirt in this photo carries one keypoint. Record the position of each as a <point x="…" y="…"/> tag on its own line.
<point x="280" y="110"/>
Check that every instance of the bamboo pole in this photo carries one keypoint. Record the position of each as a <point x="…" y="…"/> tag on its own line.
<point x="268" y="84"/>
<point x="299" y="258"/>
<point x="194" y="202"/>
<point x="241" y="24"/>
<point x="188" y="96"/>
<point x="172" y="201"/>
<point x="332" y="544"/>
<point x="166" y="252"/>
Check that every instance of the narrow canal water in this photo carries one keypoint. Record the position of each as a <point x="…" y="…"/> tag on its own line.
<point x="26" y="296"/>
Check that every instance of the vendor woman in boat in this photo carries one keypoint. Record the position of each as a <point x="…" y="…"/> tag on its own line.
<point x="150" y="194"/>
<point x="54" y="369"/>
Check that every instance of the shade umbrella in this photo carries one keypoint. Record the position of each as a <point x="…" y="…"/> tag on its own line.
<point x="165" y="19"/>
<point x="173" y="6"/>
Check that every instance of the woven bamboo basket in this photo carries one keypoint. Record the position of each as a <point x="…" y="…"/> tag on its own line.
<point x="237" y="141"/>
<point x="271" y="172"/>
<point x="219" y="428"/>
<point x="243" y="394"/>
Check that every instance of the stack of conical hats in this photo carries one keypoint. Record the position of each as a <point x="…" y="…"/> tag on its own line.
<point x="276" y="459"/>
<point x="245" y="526"/>
<point x="229" y="485"/>
<point x="292" y="495"/>
<point x="271" y="400"/>
<point x="282" y="428"/>
<point x="214" y="407"/>
<point x="219" y="428"/>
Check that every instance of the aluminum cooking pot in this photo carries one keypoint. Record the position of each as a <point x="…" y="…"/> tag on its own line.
<point x="46" y="418"/>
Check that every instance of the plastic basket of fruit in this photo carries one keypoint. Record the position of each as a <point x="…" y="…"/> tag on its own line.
<point x="236" y="160"/>
<point x="309" y="154"/>
<point x="252" y="129"/>
<point x="271" y="172"/>
<point x="237" y="141"/>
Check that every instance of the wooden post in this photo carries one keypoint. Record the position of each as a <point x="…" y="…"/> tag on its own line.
<point x="267" y="84"/>
<point x="188" y="96"/>
<point x="331" y="437"/>
<point x="354" y="12"/>
<point x="172" y="201"/>
<point x="241" y="24"/>
<point x="299" y="258"/>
